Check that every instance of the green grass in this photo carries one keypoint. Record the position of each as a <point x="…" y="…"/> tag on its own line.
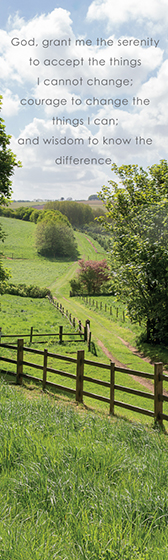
<point x="77" y="486"/>
<point x="24" y="247"/>
<point x="22" y="313"/>
<point x="25" y="265"/>
<point x="75" y="483"/>
<point x="19" y="314"/>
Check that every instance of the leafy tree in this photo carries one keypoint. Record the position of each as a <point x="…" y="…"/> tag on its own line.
<point x="23" y="213"/>
<point x="54" y="236"/>
<point x="34" y="215"/>
<point x="92" y="277"/>
<point x="53" y="216"/>
<point x="138" y="208"/>
<point x="93" y="197"/>
<point x="7" y="165"/>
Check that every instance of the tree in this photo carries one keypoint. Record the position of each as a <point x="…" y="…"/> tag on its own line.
<point x="93" y="197"/>
<point x="54" y="236"/>
<point x="7" y="165"/>
<point x="92" y="277"/>
<point x="53" y="216"/>
<point x="139" y="256"/>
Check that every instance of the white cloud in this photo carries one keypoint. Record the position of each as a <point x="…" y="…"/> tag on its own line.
<point x="40" y="176"/>
<point x="11" y="103"/>
<point x="125" y="10"/>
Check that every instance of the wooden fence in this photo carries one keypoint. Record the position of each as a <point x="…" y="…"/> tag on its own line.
<point x="112" y="311"/>
<point x="84" y="334"/>
<point x="80" y="378"/>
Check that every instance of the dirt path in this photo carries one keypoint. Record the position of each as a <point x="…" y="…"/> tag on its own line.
<point x="96" y="251"/>
<point x="135" y="351"/>
<point x="145" y="382"/>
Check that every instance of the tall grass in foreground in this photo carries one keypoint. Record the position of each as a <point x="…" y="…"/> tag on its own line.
<point x="75" y="486"/>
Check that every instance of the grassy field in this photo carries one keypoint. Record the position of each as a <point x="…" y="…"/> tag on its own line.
<point x="25" y="265"/>
<point x="18" y="314"/>
<point x="75" y="486"/>
<point x="39" y="204"/>
<point x="21" y="313"/>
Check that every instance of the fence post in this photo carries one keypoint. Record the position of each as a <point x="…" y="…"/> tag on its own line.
<point x="89" y="340"/>
<point x="79" y="376"/>
<point x="158" y="392"/>
<point x="88" y="333"/>
<point x="73" y="322"/>
<point x="87" y="326"/>
<point x="112" y="381"/>
<point x="45" y="369"/>
<point x="60" y="334"/>
<point x="85" y="333"/>
<point x="31" y="335"/>
<point x="19" y="372"/>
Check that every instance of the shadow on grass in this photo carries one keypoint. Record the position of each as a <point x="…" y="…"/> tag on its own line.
<point x="59" y="259"/>
<point x="156" y="352"/>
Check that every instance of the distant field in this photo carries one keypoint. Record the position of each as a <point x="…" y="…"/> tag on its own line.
<point x="39" y="204"/>
<point x="28" y="204"/>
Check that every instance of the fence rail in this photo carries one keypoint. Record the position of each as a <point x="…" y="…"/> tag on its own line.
<point x="61" y="334"/>
<point x="80" y="378"/>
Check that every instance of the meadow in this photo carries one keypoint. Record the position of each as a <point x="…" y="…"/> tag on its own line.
<point x="19" y="314"/>
<point x="75" y="485"/>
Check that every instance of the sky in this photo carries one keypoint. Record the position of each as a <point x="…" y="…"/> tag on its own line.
<point x="84" y="86"/>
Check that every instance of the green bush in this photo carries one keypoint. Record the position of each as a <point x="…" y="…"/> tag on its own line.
<point x="27" y="291"/>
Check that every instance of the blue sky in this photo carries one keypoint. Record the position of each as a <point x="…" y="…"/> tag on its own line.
<point x="69" y="118"/>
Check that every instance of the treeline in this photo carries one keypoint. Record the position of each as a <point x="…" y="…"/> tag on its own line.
<point x="77" y="213"/>
<point x="21" y="213"/>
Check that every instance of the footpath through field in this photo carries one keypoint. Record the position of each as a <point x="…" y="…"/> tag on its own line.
<point x="109" y="335"/>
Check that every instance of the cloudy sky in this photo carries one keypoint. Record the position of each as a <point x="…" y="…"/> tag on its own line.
<point x="83" y="86"/>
